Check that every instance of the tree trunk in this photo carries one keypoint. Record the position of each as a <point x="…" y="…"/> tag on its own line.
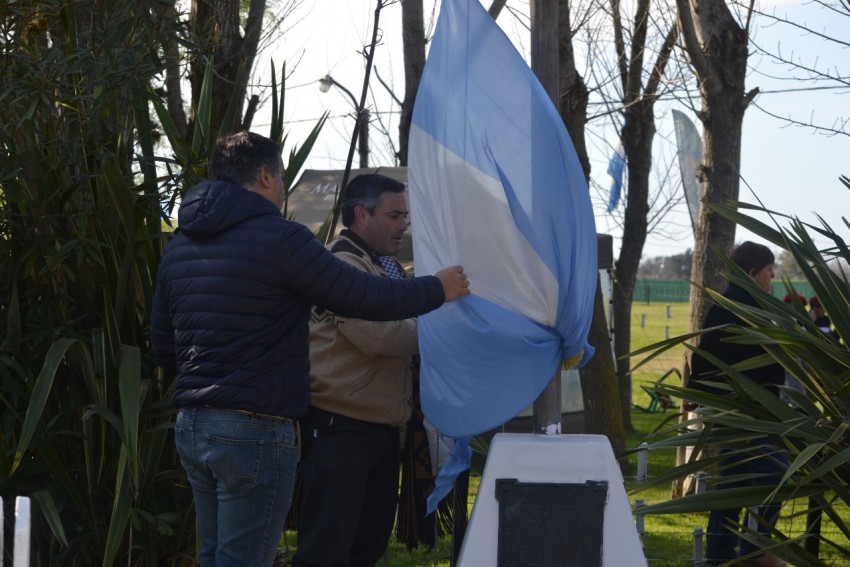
<point x="573" y="98"/>
<point x="598" y="377"/>
<point x="173" y="78"/>
<point x="637" y="136"/>
<point x="717" y="47"/>
<point x="599" y="387"/>
<point x="413" y="37"/>
<point x="638" y="132"/>
<point x="216" y="26"/>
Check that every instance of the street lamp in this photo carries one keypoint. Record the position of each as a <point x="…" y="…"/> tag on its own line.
<point x="362" y="124"/>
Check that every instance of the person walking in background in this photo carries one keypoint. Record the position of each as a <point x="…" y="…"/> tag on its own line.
<point x="230" y="324"/>
<point x="360" y="380"/>
<point x="765" y="460"/>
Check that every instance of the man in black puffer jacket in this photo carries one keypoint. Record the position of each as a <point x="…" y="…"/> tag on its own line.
<point x="230" y="323"/>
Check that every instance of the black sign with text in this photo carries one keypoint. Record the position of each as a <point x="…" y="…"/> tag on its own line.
<point x="550" y="524"/>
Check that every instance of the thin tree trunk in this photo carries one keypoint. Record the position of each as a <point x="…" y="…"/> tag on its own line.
<point x="413" y="38"/>
<point x="637" y="137"/>
<point x="717" y="47"/>
<point x="217" y="26"/>
<point x="599" y="387"/>
<point x="598" y="377"/>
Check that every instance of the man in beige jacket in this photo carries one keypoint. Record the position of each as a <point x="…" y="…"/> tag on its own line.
<point x="360" y="382"/>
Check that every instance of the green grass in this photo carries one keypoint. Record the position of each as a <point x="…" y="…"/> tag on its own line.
<point x="669" y="538"/>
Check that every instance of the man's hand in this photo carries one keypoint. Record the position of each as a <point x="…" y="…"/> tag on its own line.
<point x="455" y="282"/>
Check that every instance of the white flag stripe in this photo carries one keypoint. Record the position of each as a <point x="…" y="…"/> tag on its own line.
<point x="504" y="268"/>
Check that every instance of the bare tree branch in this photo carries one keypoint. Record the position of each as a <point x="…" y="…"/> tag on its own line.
<point x="691" y="40"/>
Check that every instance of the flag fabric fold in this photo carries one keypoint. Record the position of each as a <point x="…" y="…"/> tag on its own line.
<point x="496" y="186"/>
<point x="616" y="167"/>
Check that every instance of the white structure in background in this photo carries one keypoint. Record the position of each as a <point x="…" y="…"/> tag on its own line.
<point x="21" y="549"/>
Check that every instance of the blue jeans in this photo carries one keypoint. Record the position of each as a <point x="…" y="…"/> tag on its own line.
<point x="242" y="471"/>
<point x="722" y="535"/>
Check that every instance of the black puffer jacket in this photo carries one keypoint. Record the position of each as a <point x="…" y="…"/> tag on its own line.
<point x="713" y="342"/>
<point x="233" y="298"/>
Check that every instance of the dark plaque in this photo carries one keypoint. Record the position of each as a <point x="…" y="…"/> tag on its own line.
<point x="550" y="524"/>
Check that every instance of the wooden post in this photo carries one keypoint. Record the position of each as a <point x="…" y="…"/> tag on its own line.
<point x="544" y="63"/>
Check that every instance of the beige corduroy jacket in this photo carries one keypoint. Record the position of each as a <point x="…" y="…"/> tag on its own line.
<point x="361" y="369"/>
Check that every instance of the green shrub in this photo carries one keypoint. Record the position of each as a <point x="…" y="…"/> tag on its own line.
<point x="814" y="434"/>
<point x="86" y="416"/>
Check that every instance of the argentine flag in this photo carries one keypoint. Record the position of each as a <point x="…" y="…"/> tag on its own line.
<point x="496" y="186"/>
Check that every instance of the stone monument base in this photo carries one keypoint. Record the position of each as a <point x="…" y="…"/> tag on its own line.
<point x="545" y="491"/>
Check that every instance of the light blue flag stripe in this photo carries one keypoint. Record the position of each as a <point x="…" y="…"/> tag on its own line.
<point x="496" y="186"/>
<point x="616" y="166"/>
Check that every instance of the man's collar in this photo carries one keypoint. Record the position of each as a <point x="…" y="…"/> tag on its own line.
<point x="352" y="236"/>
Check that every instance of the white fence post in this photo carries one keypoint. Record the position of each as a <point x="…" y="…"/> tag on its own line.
<point x="642" y="461"/>
<point x="22" y="532"/>
<point x="752" y="518"/>
<point x="639" y="518"/>
<point x="699" y="558"/>
<point x="701" y="481"/>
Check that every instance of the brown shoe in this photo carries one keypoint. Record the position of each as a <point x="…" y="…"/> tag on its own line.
<point x="766" y="560"/>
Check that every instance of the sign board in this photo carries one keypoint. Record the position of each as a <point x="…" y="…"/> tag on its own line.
<point x="312" y="198"/>
<point x="534" y="516"/>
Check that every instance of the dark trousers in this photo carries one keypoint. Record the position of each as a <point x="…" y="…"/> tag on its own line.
<point x="722" y="540"/>
<point x="349" y="488"/>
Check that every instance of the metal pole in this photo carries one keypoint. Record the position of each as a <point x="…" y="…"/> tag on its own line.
<point x="544" y="63"/>
<point x="813" y="524"/>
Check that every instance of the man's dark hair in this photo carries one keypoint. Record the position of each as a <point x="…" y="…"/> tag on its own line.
<point x="365" y="190"/>
<point x="752" y="257"/>
<point x="240" y="157"/>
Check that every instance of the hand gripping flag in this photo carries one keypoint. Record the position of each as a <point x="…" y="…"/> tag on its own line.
<point x="495" y="185"/>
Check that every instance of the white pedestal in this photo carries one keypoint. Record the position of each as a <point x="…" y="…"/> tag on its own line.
<point x="555" y="459"/>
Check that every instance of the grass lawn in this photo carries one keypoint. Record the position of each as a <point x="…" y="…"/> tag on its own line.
<point x="668" y="539"/>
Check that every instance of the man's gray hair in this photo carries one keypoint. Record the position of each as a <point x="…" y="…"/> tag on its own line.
<point x="239" y="158"/>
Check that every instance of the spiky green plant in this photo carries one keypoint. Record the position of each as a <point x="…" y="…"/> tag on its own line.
<point x="814" y="433"/>
<point x="85" y="417"/>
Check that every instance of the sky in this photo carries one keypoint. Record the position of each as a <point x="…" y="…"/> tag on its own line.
<point x="791" y="169"/>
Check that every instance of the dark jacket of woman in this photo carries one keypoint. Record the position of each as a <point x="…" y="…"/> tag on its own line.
<point x="713" y="342"/>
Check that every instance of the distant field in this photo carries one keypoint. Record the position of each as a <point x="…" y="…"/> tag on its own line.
<point x="651" y="323"/>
